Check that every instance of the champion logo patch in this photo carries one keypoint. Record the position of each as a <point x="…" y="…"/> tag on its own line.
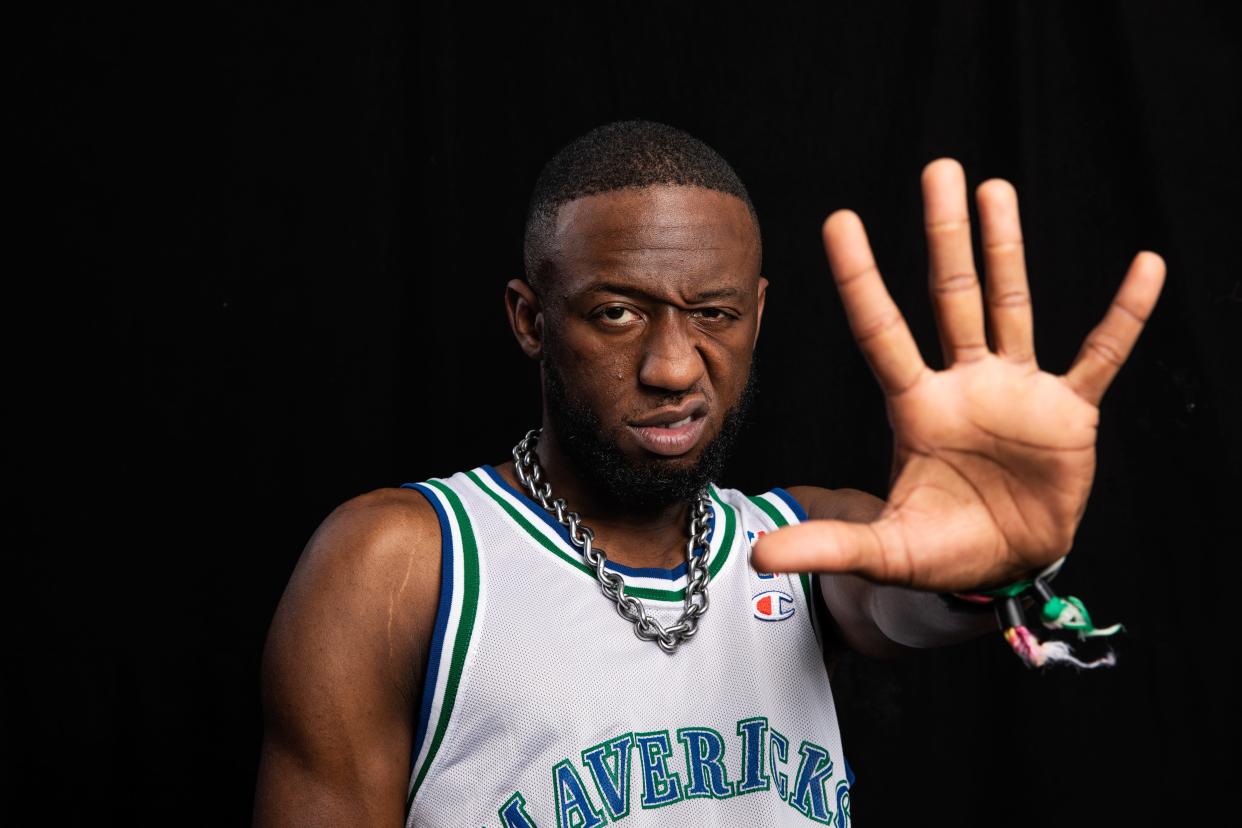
<point x="773" y="605"/>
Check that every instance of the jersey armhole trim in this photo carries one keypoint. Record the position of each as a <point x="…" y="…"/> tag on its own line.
<point x="794" y="505"/>
<point x="454" y="627"/>
<point x="442" y="615"/>
<point x="783" y="510"/>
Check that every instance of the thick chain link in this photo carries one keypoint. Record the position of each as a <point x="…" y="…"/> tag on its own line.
<point x="528" y="470"/>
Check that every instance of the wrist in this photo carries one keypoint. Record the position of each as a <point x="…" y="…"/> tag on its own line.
<point x="986" y="596"/>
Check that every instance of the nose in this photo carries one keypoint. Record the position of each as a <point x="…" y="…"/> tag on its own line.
<point x="670" y="359"/>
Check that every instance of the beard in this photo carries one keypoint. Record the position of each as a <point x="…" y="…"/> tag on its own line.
<point x="641" y="484"/>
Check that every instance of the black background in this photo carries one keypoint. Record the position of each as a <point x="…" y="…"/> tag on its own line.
<point x="260" y="266"/>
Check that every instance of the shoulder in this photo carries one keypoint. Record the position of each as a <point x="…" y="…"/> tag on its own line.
<point x="366" y="585"/>
<point x="375" y="530"/>
<point x="368" y="540"/>
<point x="343" y="664"/>
<point x="851" y="505"/>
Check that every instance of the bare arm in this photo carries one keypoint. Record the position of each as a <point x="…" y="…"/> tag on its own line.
<point x="875" y="619"/>
<point x="343" y="665"/>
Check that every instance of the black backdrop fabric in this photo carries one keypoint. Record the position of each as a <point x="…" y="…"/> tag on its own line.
<point x="268" y="244"/>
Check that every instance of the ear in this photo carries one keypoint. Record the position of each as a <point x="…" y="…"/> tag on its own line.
<point x="763" y="290"/>
<point x="525" y="317"/>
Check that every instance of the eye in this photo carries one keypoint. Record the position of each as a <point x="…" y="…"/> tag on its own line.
<point x="714" y="314"/>
<point x="617" y="314"/>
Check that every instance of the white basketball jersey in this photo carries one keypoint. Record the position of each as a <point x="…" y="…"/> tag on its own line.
<point x="541" y="707"/>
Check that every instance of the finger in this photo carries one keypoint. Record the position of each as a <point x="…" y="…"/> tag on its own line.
<point x="952" y="280"/>
<point x="832" y="546"/>
<point x="1109" y="343"/>
<point x="1008" y="297"/>
<point x="878" y="326"/>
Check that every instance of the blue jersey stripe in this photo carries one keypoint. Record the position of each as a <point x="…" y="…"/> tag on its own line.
<point x="794" y="506"/>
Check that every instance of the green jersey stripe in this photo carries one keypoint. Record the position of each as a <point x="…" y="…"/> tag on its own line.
<point x="726" y="542"/>
<point x="521" y="520"/>
<point x="770" y="510"/>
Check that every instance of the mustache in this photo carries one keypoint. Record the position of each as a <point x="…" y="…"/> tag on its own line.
<point x="674" y="401"/>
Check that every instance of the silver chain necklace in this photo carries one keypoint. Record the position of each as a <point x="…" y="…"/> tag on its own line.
<point x="528" y="470"/>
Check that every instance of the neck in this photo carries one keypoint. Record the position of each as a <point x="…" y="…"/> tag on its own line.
<point x="648" y="537"/>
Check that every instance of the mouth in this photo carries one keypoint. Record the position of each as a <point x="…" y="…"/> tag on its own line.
<point x="672" y="432"/>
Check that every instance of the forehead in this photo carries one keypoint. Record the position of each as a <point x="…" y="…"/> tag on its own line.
<point x="661" y="237"/>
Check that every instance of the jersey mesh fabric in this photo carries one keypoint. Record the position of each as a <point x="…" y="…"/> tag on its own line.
<point x="548" y="669"/>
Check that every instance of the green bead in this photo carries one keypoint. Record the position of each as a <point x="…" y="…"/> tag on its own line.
<point x="1067" y="613"/>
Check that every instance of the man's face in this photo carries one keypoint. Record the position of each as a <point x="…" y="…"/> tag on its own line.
<point x="650" y="322"/>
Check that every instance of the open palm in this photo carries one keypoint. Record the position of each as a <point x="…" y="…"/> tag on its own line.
<point x="993" y="457"/>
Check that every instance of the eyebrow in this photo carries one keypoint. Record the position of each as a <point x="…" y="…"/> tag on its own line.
<point x="630" y="290"/>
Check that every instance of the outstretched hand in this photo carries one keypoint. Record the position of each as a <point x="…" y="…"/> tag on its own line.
<point x="993" y="457"/>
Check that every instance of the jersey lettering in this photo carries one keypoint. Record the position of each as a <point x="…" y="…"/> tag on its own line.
<point x="660" y="787"/>
<point x="779" y="747"/>
<point x="610" y="764"/>
<point x="705" y="773"/>
<point x="809" y="795"/>
<point x="574" y="808"/>
<point x="513" y="813"/>
<point x="752" y="732"/>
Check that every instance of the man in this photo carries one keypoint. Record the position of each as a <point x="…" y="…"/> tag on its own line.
<point x="444" y="655"/>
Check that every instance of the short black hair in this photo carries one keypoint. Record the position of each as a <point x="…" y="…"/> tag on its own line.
<point x="616" y="156"/>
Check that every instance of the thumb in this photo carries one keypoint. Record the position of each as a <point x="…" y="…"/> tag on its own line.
<point x="822" y="546"/>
